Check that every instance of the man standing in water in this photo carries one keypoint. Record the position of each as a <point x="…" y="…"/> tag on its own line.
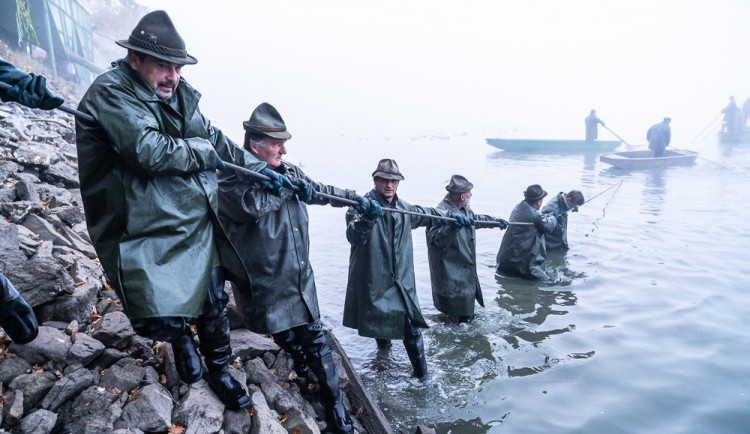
<point x="557" y="240"/>
<point x="147" y="170"/>
<point x="270" y="232"/>
<point x="522" y="251"/>
<point x="658" y="137"/>
<point x="592" y="126"/>
<point x="381" y="296"/>
<point x="452" y="253"/>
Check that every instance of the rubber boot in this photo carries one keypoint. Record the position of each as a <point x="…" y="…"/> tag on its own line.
<point x="383" y="344"/>
<point x="174" y="330"/>
<point x="16" y="316"/>
<point x="214" y="336"/>
<point x="289" y="342"/>
<point x="414" y="346"/>
<point x="330" y="394"/>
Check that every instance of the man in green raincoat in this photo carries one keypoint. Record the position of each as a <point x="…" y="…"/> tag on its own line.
<point x="522" y="251"/>
<point x="557" y="240"/>
<point x="270" y="232"/>
<point x="452" y="253"/>
<point x="147" y="171"/>
<point x="381" y="295"/>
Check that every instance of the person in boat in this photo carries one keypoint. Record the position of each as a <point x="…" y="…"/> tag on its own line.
<point x="452" y="254"/>
<point x="523" y="250"/>
<point x="592" y="126"/>
<point x="147" y="171"/>
<point x="381" y="296"/>
<point x="745" y="112"/>
<point x="16" y="316"/>
<point x="658" y="137"/>
<point x="557" y="240"/>
<point x="270" y="232"/>
<point x="732" y="116"/>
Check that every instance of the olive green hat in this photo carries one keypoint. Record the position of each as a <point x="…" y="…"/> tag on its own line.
<point x="388" y="169"/>
<point x="267" y="121"/>
<point x="156" y="36"/>
<point x="534" y="193"/>
<point x="459" y="185"/>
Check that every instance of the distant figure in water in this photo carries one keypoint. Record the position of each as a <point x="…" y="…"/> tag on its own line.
<point x="732" y="116"/>
<point x="745" y="111"/>
<point x="557" y="240"/>
<point x="658" y="137"/>
<point x="523" y="250"/>
<point x="592" y="127"/>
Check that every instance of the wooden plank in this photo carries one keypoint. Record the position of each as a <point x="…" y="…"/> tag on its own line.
<point x="372" y="418"/>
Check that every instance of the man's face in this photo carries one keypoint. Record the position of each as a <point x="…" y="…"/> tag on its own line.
<point x="162" y="76"/>
<point x="386" y="187"/>
<point x="464" y="198"/>
<point x="271" y="153"/>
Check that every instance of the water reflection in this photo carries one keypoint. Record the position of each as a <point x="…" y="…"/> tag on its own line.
<point x="654" y="192"/>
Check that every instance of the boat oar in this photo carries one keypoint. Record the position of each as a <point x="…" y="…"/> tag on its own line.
<point x="615" y="134"/>
<point x="72" y="111"/>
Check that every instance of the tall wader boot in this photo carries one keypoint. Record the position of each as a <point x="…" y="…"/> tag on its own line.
<point x="16" y="316"/>
<point x="320" y="360"/>
<point x="174" y="329"/>
<point x="289" y="342"/>
<point x="414" y="346"/>
<point x="213" y="331"/>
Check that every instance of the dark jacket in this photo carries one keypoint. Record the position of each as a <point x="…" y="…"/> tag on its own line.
<point x="592" y="129"/>
<point x="271" y="235"/>
<point x="558" y="238"/>
<point x="381" y="287"/>
<point x="151" y="206"/>
<point x="658" y="136"/>
<point x="452" y="253"/>
<point x="523" y="251"/>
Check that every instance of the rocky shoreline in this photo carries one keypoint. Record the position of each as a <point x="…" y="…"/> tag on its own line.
<point x="87" y="371"/>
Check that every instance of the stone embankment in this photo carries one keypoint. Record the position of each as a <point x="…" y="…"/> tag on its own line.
<point x="87" y="371"/>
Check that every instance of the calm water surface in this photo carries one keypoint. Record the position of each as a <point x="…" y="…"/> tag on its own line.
<point x="644" y="328"/>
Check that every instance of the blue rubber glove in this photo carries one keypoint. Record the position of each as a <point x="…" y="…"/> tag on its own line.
<point x="574" y="209"/>
<point x="363" y="203"/>
<point x="306" y="191"/>
<point x="277" y="181"/>
<point x="461" y="220"/>
<point x="217" y="164"/>
<point x="374" y="211"/>
<point x="32" y="92"/>
<point x="503" y="223"/>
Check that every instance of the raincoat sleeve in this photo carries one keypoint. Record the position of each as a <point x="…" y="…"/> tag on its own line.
<point x="135" y="135"/>
<point x="545" y="222"/>
<point x="441" y="236"/>
<point x="418" y="221"/>
<point x="358" y="229"/>
<point x="327" y="189"/>
<point x="9" y="74"/>
<point x="479" y="218"/>
<point x="243" y="199"/>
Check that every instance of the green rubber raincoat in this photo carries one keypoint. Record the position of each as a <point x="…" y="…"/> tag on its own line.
<point x="523" y="250"/>
<point x="558" y="238"/>
<point x="151" y="206"/>
<point x="452" y="253"/>
<point x="271" y="235"/>
<point x="381" y="287"/>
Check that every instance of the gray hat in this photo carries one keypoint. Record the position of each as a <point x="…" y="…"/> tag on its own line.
<point x="388" y="169"/>
<point x="534" y="193"/>
<point x="156" y="36"/>
<point x="267" y="121"/>
<point x="459" y="185"/>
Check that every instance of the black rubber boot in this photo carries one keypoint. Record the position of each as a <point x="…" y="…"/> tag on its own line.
<point x="383" y="344"/>
<point x="414" y="346"/>
<point x="214" y="336"/>
<point x="289" y="342"/>
<point x="16" y="316"/>
<point x="174" y="330"/>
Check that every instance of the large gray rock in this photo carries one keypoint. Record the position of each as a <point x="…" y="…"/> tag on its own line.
<point x="78" y="243"/>
<point x="298" y="420"/>
<point x="114" y="330"/>
<point x="257" y="372"/>
<point x="50" y="344"/>
<point x="62" y="172"/>
<point x="264" y="419"/>
<point x="70" y="215"/>
<point x="12" y="407"/>
<point x="84" y="350"/>
<point x="93" y="411"/>
<point x="67" y="387"/>
<point x="19" y="210"/>
<point x="246" y="344"/>
<point x="45" y="230"/>
<point x="12" y="367"/>
<point x="37" y="422"/>
<point x="150" y="411"/>
<point x="26" y="190"/>
<point x="125" y="375"/>
<point x="200" y="410"/>
<point x="34" y="387"/>
<point x="34" y="156"/>
<point x="41" y="278"/>
<point x="237" y="422"/>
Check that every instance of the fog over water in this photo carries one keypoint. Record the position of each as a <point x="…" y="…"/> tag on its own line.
<point x="644" y="328"/>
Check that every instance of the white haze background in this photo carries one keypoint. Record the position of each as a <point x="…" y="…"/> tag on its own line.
<point x="515" y="68"/>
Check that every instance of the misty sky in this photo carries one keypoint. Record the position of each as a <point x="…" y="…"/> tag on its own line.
<point x="518" y="68"/>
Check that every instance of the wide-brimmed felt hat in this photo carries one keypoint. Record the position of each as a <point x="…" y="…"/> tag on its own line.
<point x="388" y="169"/>
<point x="267" y="121"/>
<point x="459" y="184"/>
<point x="156" y="36"/>
<point x="534" y="193"/>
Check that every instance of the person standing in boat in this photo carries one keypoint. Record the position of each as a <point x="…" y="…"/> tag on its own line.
<point x="270" y="232"/>
<point x="732" y="116"/>
<point x="452" y="254"/>
<point x="381" y="295"/>
<point x="745" y="112"/>
<point x="592" y="126"/>
<point x="658" y="137"/>
<point x="523" y="250"/>
<point x="557" y="240"/>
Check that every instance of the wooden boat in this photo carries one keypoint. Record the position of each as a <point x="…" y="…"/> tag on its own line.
<point x="644" y="159"/>
<point x="541" y="145"/>
<point x="742" y="136"/>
